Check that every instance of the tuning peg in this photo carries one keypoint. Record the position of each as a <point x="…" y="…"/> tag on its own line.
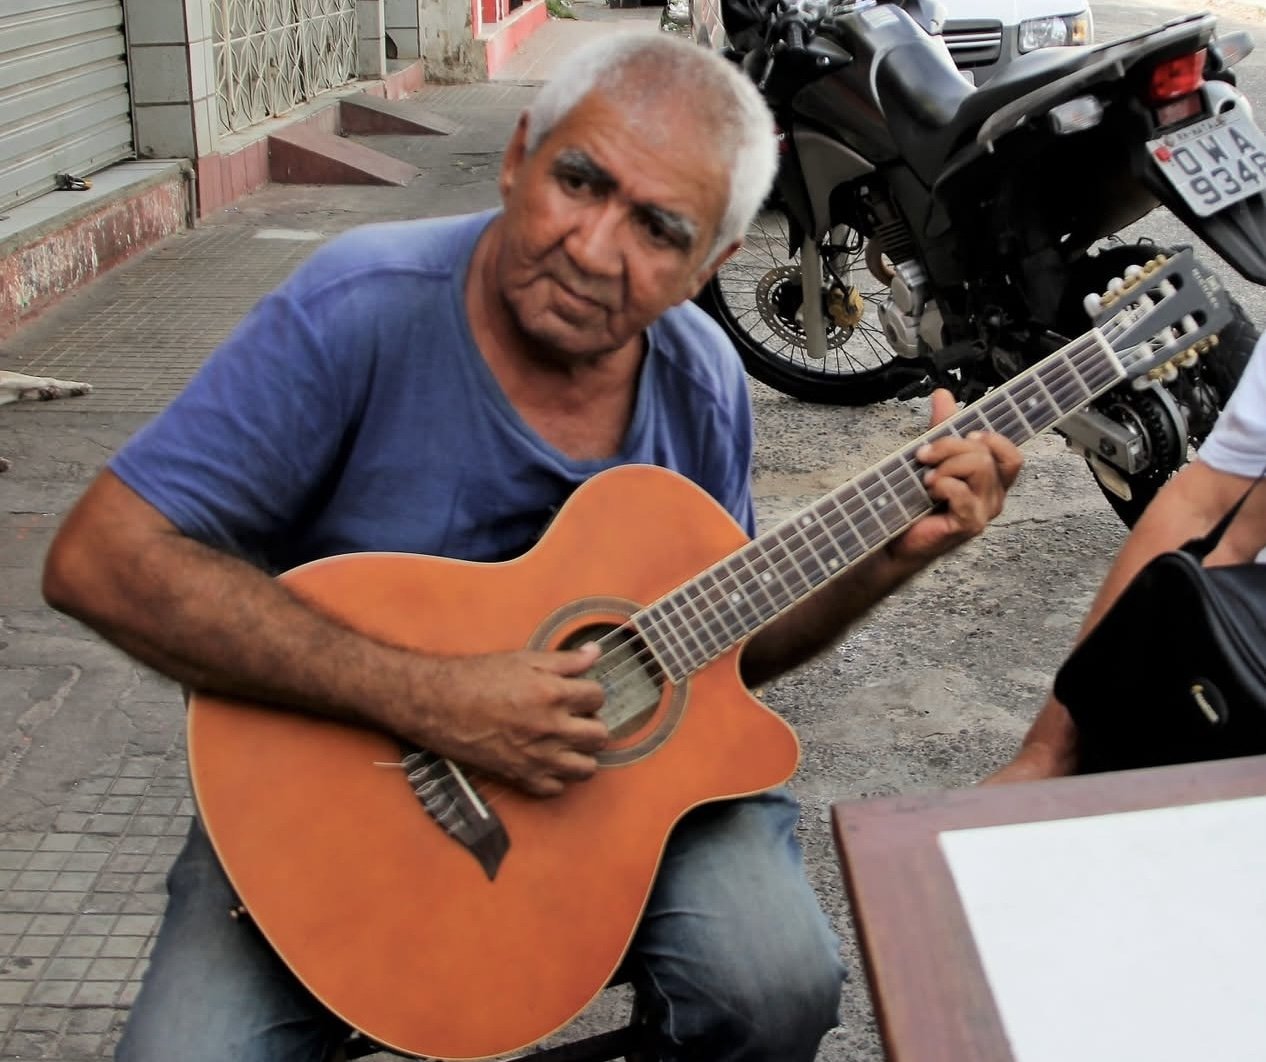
<point x="1189" y="325"/>
<point x="1168" y="372"/>
<point x="1155" y="263"/>
<point x="1188" y="358"/>
<point x="1115" y="287"/>
<point x="1093" y="305"/>
<point x="1167" y="289"/>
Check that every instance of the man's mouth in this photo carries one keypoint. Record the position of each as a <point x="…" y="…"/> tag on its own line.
<point x="579" y="298"/>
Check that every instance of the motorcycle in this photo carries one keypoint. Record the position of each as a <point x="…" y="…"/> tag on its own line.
<point x="923" y="232"/>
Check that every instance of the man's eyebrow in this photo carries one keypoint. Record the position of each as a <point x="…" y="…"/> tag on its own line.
<point x="578" y="164"/>
<point x="681" y="231"/>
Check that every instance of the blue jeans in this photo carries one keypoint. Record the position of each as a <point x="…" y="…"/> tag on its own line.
<point x="733" y="952"/>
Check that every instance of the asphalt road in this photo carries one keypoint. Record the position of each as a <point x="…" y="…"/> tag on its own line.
<point x="937" y="686"/>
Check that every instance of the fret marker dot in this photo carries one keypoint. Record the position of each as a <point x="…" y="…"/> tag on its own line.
<point x="736" y="597"/>
<point x="766" y="577"/>
<point x="805" y="521"/>
<point x="834" y="562"/>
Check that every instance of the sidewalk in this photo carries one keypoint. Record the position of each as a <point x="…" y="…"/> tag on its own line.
<point x="94" y="800"/>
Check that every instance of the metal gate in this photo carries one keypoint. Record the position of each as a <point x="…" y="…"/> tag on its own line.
<point x="271" y="55"/>
<point x="63" y="92"/>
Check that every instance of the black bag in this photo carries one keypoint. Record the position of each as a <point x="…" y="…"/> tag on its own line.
<point x="1175" y="671"/>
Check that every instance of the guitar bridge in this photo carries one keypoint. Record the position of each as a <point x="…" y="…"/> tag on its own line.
<point x="452" y="803"/>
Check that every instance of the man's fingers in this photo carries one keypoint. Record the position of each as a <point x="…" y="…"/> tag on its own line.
<point x="993" y="453"/>
<point x="569" y="766"/>
<point x="1006" y="456"/>
<point x="943" y="406"/>
<point x="571" y="661"/>
<point x="585" y="734"/>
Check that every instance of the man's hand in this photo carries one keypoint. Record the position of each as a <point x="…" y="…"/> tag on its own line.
<point x="969" y="476"/>
<point x="1031" y="764"/>
<point x="523" y="717"/>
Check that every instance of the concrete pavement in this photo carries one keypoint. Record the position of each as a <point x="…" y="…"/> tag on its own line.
<point x="93" y="794"/>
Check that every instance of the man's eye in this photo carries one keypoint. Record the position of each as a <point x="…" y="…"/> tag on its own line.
<point x="658" y="233"/>
<point x="573" y="182"/>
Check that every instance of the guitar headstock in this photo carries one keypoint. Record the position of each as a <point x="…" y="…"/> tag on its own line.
<point x="1162" y="315"/>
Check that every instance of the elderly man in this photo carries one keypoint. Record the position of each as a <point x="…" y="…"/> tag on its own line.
<point x="441" y="387"/>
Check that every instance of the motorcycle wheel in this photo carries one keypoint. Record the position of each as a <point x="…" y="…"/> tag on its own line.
<point x="1202" y="391"/>
<point x="757" y="297"/>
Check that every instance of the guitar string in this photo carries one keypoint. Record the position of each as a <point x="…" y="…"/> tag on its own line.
<point x="1057" y="388"/>
<point x="491" y="790"/>
<point x="860" y="507"/>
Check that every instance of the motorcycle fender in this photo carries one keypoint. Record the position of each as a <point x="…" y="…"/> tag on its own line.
<point x="1237" y="233"/>
<point x="826" y="164"/>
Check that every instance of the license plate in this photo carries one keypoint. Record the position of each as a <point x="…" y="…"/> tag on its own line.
<point x="1213" y="163"/>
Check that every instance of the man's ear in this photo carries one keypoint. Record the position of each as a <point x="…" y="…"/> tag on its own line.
<point x="512" y="160"/>
<point x="709" y="271"/>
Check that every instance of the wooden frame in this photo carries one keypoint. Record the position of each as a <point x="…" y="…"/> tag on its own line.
<point x="926" y="981"/>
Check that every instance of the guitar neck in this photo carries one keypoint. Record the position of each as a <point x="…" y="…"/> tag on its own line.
<point x="706" y="617"/>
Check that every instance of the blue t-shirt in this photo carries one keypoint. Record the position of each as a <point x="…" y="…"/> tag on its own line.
<point x="351" y="411"/>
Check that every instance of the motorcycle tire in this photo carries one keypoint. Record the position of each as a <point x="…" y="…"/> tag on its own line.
<point x="1221" y="369"/>
<point x="755" y="298"/>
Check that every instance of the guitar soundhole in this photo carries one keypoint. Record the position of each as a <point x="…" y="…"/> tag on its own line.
<point x="628" y="673"/>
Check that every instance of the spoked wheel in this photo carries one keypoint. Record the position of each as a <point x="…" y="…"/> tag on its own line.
<point x="758" y="297"/>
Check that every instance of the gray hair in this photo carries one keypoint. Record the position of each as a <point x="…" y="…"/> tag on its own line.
<point x="639" y="68"/>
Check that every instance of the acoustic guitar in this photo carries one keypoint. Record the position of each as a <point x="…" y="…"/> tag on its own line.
<point x="445" y="916"/>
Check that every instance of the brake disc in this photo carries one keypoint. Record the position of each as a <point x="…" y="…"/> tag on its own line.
<point x="780" y="295"/>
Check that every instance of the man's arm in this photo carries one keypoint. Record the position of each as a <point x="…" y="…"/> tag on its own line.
<point x="969" y="477"/>
<point x="1186" y="508"/>
<point x="214" y="622"/>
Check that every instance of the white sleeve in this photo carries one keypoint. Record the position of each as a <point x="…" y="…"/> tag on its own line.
<point x="1237" y="443"/>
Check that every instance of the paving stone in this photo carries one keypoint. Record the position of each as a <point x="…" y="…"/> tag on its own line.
<point x="40" y="1019"/>
<point x="50" y="923"/>
<point x="81" y="897"/>
<point x="12" y="992"/>
<point x="80" y="946"/>
<point x="53" y="993"/>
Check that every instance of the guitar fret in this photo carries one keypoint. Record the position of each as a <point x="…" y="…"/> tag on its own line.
<point x="660" y="637"/>
<point x="878" y="497"/>
<point x="715" y="597"/>
<point x="853" y="547"/>
<point x="1054" y="409"/>
<point x="694" y="628"/>
<point x="912" y="485"/>
<point x="740" y="594"/>
<point x="815" y="567"/>
<point x="759" y="578"/>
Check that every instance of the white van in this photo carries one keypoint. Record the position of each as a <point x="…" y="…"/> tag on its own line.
<point x="983" y="35"/>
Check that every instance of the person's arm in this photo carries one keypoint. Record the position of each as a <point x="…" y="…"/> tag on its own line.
<point x="1186" y="508"/>
<point x="216" y="623"/>
<point x="969" y="476"/>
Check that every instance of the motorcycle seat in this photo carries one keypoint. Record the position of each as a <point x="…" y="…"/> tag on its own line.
<point x="931" y="109"/>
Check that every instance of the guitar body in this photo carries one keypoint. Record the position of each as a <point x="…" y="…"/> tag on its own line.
<point x="388" y="920"/>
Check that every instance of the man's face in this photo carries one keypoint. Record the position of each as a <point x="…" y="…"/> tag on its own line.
<point x="607" y="224"/>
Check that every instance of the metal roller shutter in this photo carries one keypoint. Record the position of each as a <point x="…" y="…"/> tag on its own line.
<point x="64" y="104"/>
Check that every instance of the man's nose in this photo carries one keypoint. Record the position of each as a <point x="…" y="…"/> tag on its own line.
<point x="594" y="243"/>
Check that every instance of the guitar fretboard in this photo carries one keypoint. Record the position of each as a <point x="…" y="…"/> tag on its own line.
<point x="704" y="618"/>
